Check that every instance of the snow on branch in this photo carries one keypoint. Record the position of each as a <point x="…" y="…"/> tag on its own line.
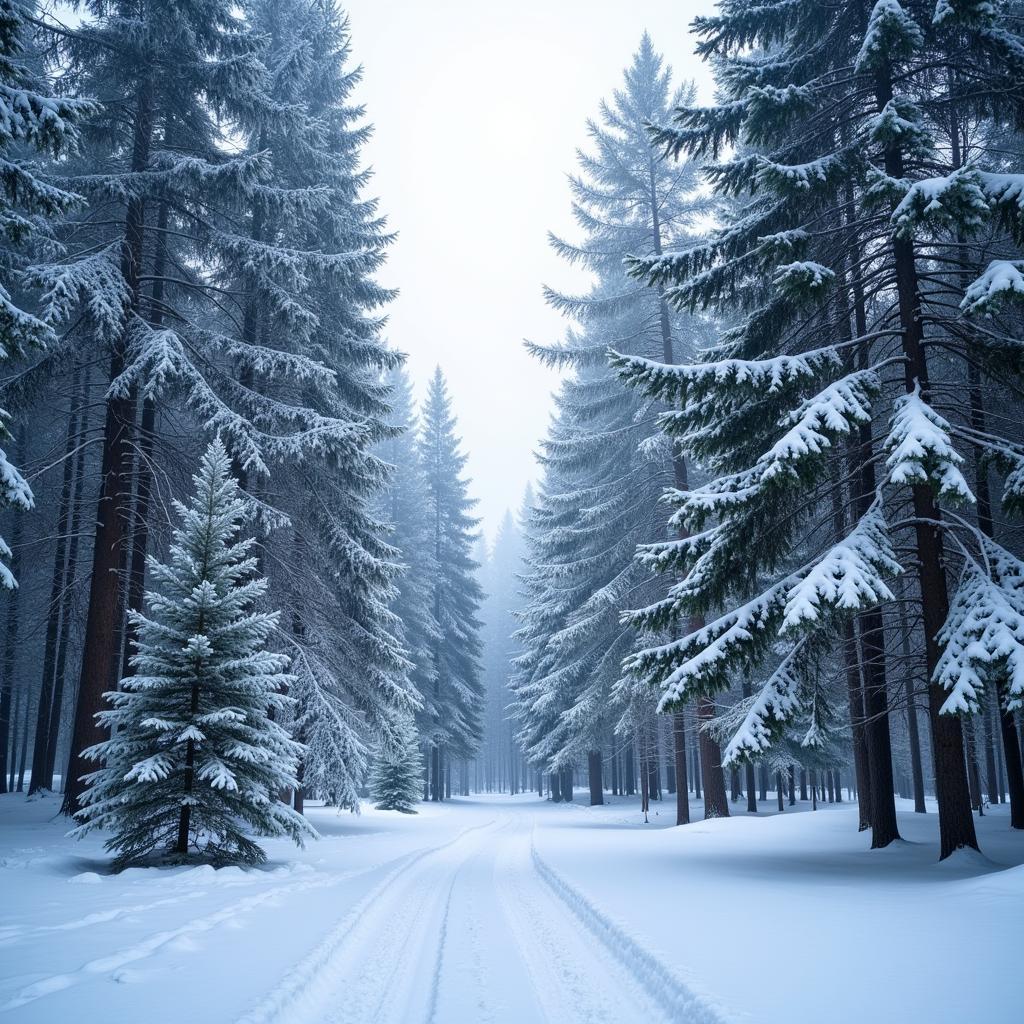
<point x="849" y="577"/>
<point x="769" y="709"/>
<point x="701" y="661"/>
<point x="670" y="382"/>
<point x="952" y="199"/>
<point x="1002" y="280"/>
<point x="920" y="450"/>
<point x="983" y="636"/>
<point x="891" y="35"/>
<point x="835" y="411"/>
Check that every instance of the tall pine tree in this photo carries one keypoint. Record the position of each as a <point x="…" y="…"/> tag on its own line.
<point x="452" y="721"/>
<point x="830" y="399"/>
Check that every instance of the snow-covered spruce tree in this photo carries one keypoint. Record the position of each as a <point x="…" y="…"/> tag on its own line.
<point x="606" y="454"/>
<point x="30" y="119"/>
<point x="839" y="261"/>
<point x="396" y="781"/>
<point x="500" y="574"/>
<point x="305" y="263"/>
<point x="452" y="721"/>
<point x="262" y="332"/>
<point x="404" y="507"/>
<point x="166" y="73"/>
<point x="195" y="760"/>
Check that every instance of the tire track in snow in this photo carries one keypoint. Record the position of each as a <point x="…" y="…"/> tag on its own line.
<point x="306" y="992"/>
<point x="153" y="943"/>
<point x="574" y="980"/>
<point x="675" y="998"/>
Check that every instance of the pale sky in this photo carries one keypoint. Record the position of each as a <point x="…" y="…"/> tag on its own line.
<point x="479" y="108"/>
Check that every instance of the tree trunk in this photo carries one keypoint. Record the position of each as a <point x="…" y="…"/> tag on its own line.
<point x="973" y="778"/>
<point x="645" y="779"/>
<point x="913" y="733"/>
<point x="594" y="777"/>
<point x="682" y="786"/>
<point x="100" y="652"/>
<point x="58" y="581"/>
<point x="8" y="722"/>
<point x="956" y="824"/>
<point x="67" y="593"/>
<point x="716" y="802"/>
<point x="23" y="749"/>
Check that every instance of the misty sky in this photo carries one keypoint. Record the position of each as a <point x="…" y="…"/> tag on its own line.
<point x="479" y="108"/>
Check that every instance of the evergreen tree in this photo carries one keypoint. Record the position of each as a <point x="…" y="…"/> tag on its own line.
<point x="396" y="782"/>
<point x="501" y="585"/>
<point x="231" y="271"/>
<point x="306" y="262"/>
<point x="452" y="709"/>
<point x="838" y="261"/>
<point x="132" y="284"/>
<point x="404" y="507"/>
<point x="195" y="757"/>
<point x="30" y="119"/>
<point x="604" y="461"/>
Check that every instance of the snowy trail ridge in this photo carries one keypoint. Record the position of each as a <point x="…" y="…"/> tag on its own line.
<point x="477" y="929"/>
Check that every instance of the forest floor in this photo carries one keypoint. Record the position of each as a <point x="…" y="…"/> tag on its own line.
<point x="512" y="909"/>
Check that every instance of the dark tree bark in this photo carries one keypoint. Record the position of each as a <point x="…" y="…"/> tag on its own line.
<point x="682" y="788"/>
<point x="8" y="722"/>
<point x="71" y="573"/>
<point x="780" y="791"/>
<point x="973" y="777"/>
<point x="594" y="764"/>
<point x="956" y="824"/>
<point x="58" y="581"/>
<point x="566" y="785"/>
<point x="23" y="747"/>
<point x="913" y="733"/>
<point x="716" y="801"/>
<point x="101" y="648"/>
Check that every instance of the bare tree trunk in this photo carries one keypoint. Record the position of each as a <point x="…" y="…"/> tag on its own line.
<point x="71" y="572"/>
<point x="716" y="802"/>
<point x="8" y="722"/>
<point x="58" y="581"/>
<point x="100" y="653"/>
<point x="682" y="787"/>
<point x="594" y="777"/>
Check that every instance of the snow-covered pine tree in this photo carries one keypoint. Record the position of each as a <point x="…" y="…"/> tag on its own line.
<point x="454" y="723"/>
<point x="404" y="506"/>
<point x="196" y="760"/>
<point x="305" y="262"/>
<point x="500" y="581"/>
<point x="31" y="118"/>
<point x="606" y="462"/>
<point x="396" y="781"/>
<point x="174" y="78"/>
<point x="839" y="262"/>
<point x="177" y="291"/>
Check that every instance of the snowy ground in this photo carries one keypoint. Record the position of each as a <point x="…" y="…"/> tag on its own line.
<point x="512" y="909"/>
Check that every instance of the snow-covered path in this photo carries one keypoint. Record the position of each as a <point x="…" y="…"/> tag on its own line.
<point x="514" y="909"/>
<point x="467" y="931"/>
